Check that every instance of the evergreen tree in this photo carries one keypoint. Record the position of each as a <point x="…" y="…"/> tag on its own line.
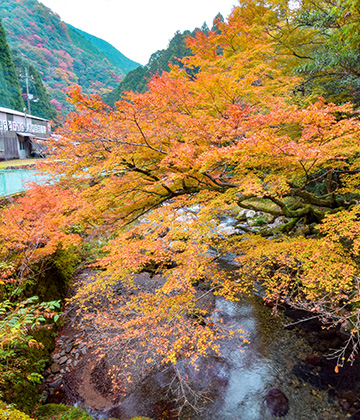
<point x="41" y="106"/>
<point x="218" y="18"/>
<point x="321" y="39"/>
<point x="10" y="93"/>
<point x="137" y="79"/>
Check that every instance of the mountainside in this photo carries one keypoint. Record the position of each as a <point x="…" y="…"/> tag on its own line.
<point x="137" y="79"/>
<point x="160" y="61"/>
<point x="14" y="85"/>
<point x="10" y="93"/>
<point x="39" y="101"/>
<point x="110" y="52"/>
<point x="62" y="54"/>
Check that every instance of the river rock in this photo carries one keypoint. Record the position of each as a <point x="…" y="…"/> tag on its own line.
<point x="323" y="346"/>
<point x="335" y="344"/>
<point x="345" y="405"/>
<point x="226" y="229"/>
<point x="55" y="368"/>
<point x="328" y="334"/>
<point x="348" y="395"/>
<point x="277" y="402"/>
<point x="277" y="222"/>
<point x="244" y="214"/>
<point x="313" y="359"/>
<point x="63" y="360"/>
<point x="56" y="383"/>
<point x="68" y="348"/>
<point x="356" y="416"/>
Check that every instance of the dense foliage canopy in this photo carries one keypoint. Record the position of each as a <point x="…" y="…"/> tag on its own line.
<point x="230" y="129"/>
<point x="237" y="134"/>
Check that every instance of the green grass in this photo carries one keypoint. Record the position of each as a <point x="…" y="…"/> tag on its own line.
<point x="17" y="162"/>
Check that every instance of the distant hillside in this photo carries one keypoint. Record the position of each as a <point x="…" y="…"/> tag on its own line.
<point x="110" y="52"/>
<point x="10" y="92"/>
<point x="137" y="80"/>
<point x="39" y="101"/>
<point x="62" y="54"/>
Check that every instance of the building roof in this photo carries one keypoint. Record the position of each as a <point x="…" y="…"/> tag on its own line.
<point x="21" y="114"/>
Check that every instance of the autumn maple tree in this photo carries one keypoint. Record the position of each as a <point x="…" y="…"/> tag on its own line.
<point x="229" y="137"/>
<point x="225" y="131"/>
<point x="37" y="231"/>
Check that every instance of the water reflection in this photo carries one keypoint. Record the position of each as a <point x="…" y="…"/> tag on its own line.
<point x="237" y="382"/>
<point x="249" y="371"/>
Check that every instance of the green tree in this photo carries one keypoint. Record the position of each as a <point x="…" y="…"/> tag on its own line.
<point x="321" y="42"/>
<point x="10" y="93"/>
<point x="137" y="80"/>
<point x="41" y="106"/>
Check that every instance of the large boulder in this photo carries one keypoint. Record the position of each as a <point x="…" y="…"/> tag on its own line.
<point x="277" y="402"/>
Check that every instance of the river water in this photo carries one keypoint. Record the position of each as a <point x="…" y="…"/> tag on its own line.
<point x="235" y="384"/>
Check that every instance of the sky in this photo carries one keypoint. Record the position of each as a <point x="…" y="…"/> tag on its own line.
<point x="138" y="28"/>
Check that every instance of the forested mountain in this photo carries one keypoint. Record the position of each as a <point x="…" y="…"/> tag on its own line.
<point x="110" y="52"/>
<point x="10" y="93"/>
<point x="39" y="100"/>
<point x="13" y="82"/>
<point x="61" y="54"/>
<point x="137" y="79"/>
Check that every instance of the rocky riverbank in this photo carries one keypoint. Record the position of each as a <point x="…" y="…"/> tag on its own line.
<point x="293" y="359"/>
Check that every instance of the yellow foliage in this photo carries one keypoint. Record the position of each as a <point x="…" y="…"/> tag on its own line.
<point x="9" y="413"/>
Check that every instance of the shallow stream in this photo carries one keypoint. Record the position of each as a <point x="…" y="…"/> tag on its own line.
<point x="234" y="385"/>
<point x="237" y="382"/>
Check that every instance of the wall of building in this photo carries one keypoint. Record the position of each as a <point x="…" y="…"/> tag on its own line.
<point x="18" y="131"/>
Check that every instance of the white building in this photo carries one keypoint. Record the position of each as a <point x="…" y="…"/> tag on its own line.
<point x="21" y="135"/>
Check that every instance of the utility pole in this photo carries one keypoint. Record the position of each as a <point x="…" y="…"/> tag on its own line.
<point x="27" y="89"/>
<point x="29" y="97"/>
<point x="25" y="118"/>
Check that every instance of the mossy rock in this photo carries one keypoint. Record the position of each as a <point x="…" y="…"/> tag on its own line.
<point x="54" y="279"/>
<point x="51" y="284"/>
<point x="140" y="418"/>
<point x="260" y="221"/>
<point x="9" y="413"/>
<point x="60" y="411"/>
